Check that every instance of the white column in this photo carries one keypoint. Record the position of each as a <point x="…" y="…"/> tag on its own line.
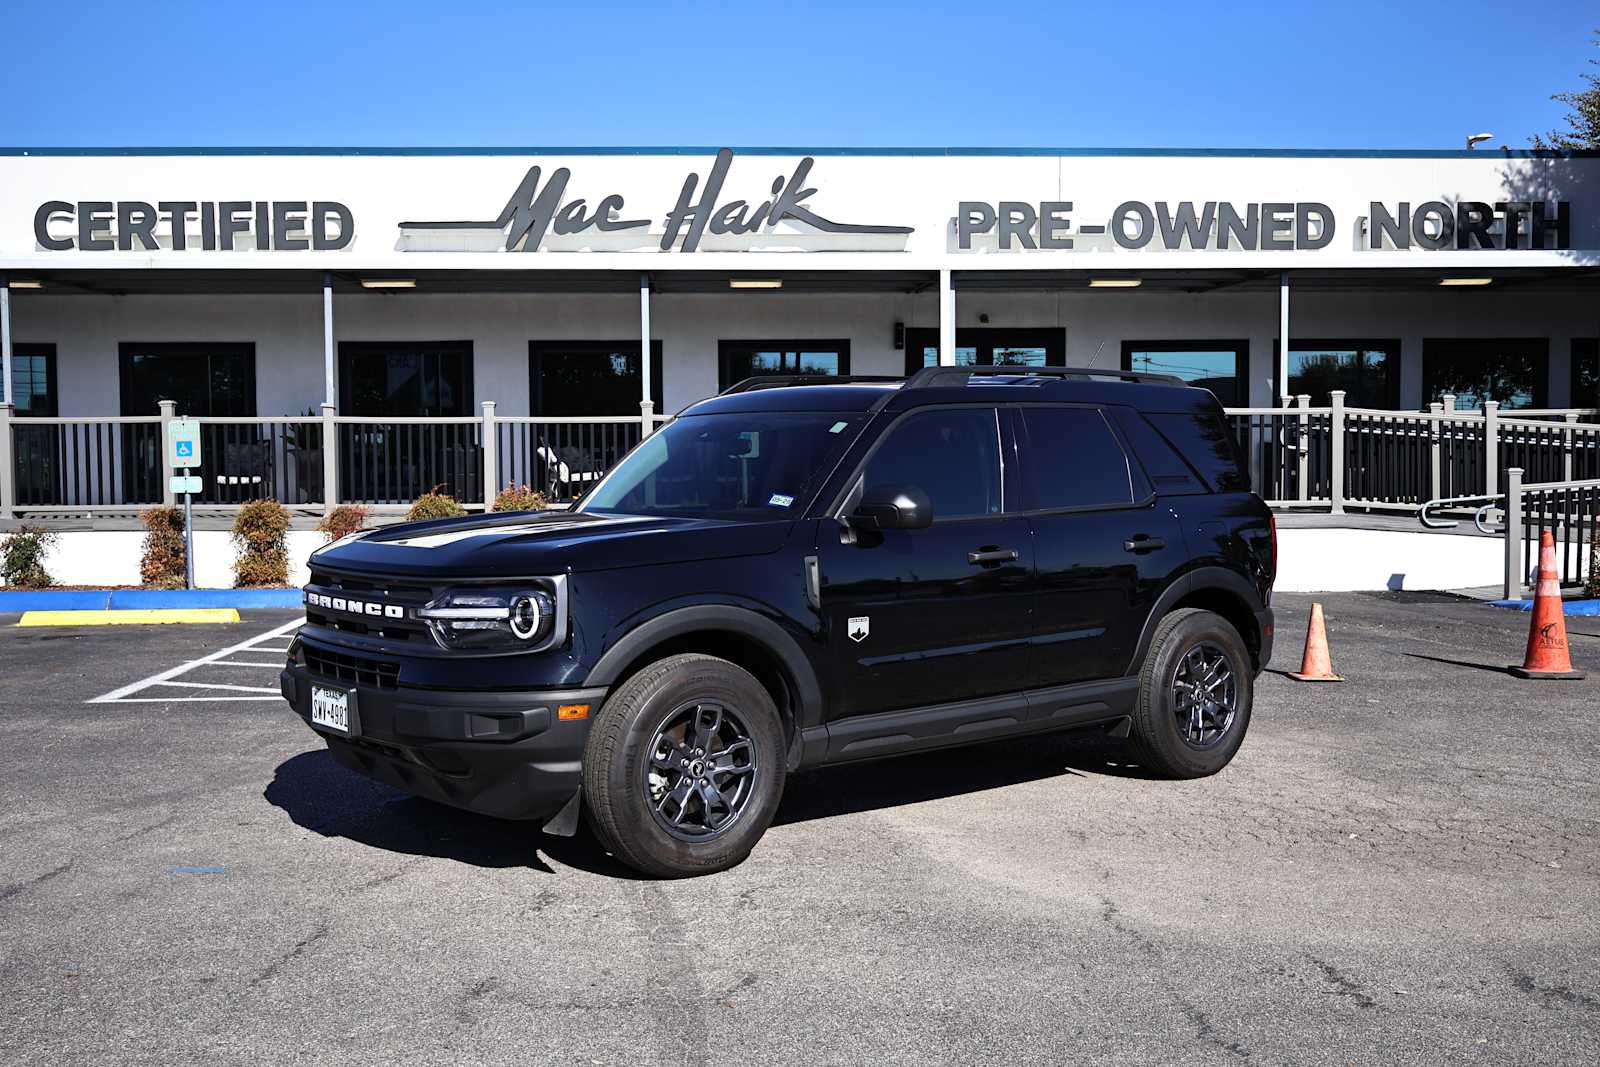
<point x="1283" y="339"/>
<point x="330" y="391"/>
<point x="947" y="319"/>
<point x="5" y="339"/>
<point x="647" y="407"/>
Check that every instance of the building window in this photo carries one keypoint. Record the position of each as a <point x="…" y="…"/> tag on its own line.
<point x="202" y="378"/>
<point x="1585" y="373"/>
<point x="1511" y="370"/>
<point x="568" y="378"/>
<point x="1367" y="371"/>
<point x="738" y="360"/>
<point x="398" y="378"/>
<point x="1215" y="365"/>
<point x="989" y="347"/>
<point x="33" y="381"/>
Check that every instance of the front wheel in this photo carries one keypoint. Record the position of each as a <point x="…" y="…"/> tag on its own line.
<point x="1195" y="694"/>
<point x="684" y="767"/>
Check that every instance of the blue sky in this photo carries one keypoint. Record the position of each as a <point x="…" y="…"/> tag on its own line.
<point x="1354" y="74"/>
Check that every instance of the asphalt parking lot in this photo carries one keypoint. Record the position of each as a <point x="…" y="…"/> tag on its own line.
<point x="1401" y="869"/>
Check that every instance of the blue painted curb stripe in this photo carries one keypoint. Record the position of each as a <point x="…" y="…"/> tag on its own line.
<point x="1568" y="607"/>
<point x="143" y="599"/>
<point x="800" y="150"/>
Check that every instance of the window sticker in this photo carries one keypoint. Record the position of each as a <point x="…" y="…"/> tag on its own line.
<point x="779" y="500"/>
<point x="837" y="427"/>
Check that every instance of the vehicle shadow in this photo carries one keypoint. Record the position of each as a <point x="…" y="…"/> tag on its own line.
<point x="326" y="798"/>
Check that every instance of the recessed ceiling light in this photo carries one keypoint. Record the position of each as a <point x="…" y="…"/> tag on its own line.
<point x="1115" y="283"/>
<point x="755" y="283"/>
<point x="388" y="283"/>
<point x="1466" y="281"/>
<point x="25" y="283"/>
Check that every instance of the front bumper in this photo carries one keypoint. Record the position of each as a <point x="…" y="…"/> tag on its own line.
<point x="504" y="754"/>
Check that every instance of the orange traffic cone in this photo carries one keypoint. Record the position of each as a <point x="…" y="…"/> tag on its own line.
<point x="1316" y="665"/>
<point x="1547" y="655"/>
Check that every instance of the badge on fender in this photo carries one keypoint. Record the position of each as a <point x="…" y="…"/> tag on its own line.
<point x="858" y="628"/>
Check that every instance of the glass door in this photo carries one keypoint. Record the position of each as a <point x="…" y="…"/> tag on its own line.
<point x="38" y="448"/>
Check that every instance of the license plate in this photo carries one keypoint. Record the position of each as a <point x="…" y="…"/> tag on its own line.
<point x="330" y="708"/>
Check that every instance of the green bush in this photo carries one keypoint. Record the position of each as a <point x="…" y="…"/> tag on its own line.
<point x="261" y="534"/>
<point x="343" y="521"/>
<point x="162" y="563"/>
<point x="519" y="498"/>
<point x="22" y="555"/>
<point x="435" y="504"/>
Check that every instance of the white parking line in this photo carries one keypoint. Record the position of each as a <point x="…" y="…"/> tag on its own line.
<point x="225" y="692"/>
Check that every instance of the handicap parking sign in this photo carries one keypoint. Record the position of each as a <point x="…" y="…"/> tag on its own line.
<point x="183" y="443"/>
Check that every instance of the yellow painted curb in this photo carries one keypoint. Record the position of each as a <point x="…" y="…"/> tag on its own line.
<point x="127" y="617"/>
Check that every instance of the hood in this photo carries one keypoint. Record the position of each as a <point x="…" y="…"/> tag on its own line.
<point x="522" y="544"/>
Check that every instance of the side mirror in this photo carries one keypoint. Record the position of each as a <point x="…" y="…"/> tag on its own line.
<point x="892" y="507"/>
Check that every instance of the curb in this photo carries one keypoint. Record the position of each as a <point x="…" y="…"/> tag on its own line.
<point x="147" y="599"/>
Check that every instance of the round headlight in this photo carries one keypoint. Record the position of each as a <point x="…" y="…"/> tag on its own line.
<point x="525" y="617"/>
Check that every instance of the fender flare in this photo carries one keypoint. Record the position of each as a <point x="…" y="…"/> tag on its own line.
<point x="1193" y="582"/>
<point x="741" y="621"/>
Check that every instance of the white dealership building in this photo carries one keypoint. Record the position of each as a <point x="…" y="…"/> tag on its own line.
<point x="292" y="289"/>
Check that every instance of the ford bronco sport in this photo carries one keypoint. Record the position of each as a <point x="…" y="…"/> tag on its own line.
<point x="802" y="572"/>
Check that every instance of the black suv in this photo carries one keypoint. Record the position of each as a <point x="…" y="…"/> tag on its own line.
<point x="794" y="574"/>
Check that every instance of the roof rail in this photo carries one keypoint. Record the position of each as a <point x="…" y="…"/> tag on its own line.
<point x="928" y="377"/>
<point x="782" y="381"/>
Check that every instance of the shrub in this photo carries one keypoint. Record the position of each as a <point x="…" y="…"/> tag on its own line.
<point x="22" y="555"/>
<point x="343" y="521"/>
<point x="519" y="498"/>
<point x="260" y="534"/>
<point x="161" y="564"/>
<point x="435" y="504"/>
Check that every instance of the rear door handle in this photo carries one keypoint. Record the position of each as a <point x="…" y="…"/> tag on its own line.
<point x="992" y="555"/>
<point x="1143" y="543"/>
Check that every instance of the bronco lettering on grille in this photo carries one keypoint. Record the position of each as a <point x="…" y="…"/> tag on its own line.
<point x="356" y="607"/>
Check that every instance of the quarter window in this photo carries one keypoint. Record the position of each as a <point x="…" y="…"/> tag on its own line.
<point x="1073" y="460"/>
<point x="952" y="454"/>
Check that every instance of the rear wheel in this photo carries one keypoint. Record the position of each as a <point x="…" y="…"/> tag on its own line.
<point x="684" y="767"/>
<point x="1195" y="695"/>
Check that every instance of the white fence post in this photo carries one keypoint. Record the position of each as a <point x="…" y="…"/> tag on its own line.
<point x="1449" y="402"/>
<point x="1566" y="446"/>
<point x="1513" y="511"/>
<point x="491" y="471"/>
<point x="1304" y="470"/>
<point x="647" y="418"/>
<point x="1336" y="448"/>
<point x="8" y="466"/>
<point x="169" y="410"/>
<point x="1491" y="446"/>
<point x="330" y="459"/>
<point x="1435" y="451"/>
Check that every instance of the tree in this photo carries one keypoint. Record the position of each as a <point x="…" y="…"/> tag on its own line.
<point x="1584" y="118"/>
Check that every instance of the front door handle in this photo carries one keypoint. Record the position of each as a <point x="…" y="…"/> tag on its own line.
<point x="992" y="555"/>
<point x="1143" y="543"/>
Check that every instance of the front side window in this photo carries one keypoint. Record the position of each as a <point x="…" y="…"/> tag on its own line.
<point x="405" y="379"/>
<point x="577" y="378"/>
<point x="1074" y="460"/>
<point x="1214" y="365"/>
<point x="201" y="378"/>
<point x="952" y="454"/>
<point x="743" y="466"/>
<point x="739" y="360"/>
<point x="1511" y="370"/>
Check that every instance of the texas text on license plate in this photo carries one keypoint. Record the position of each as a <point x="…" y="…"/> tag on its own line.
<point x="330" y="708"/>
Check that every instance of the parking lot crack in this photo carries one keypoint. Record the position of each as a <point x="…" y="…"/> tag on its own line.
<point x="1344" y="985"/>
<point x="294" y="953"/>
<point x="9" y="891"/>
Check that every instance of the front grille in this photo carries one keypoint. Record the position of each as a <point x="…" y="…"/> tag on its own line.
<point x="408" y="596"/>
<point x="356" y="670"/>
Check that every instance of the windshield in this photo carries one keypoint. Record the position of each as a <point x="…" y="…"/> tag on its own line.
<point x="750" y="466"/>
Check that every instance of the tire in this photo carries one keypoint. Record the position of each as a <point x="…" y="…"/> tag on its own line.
<point x="1164" y="738"/>
<point x="636" y="799"/>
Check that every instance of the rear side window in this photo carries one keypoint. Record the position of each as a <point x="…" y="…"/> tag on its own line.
<point x="1202" y="438"/>
<point x="1073" y="460"/>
